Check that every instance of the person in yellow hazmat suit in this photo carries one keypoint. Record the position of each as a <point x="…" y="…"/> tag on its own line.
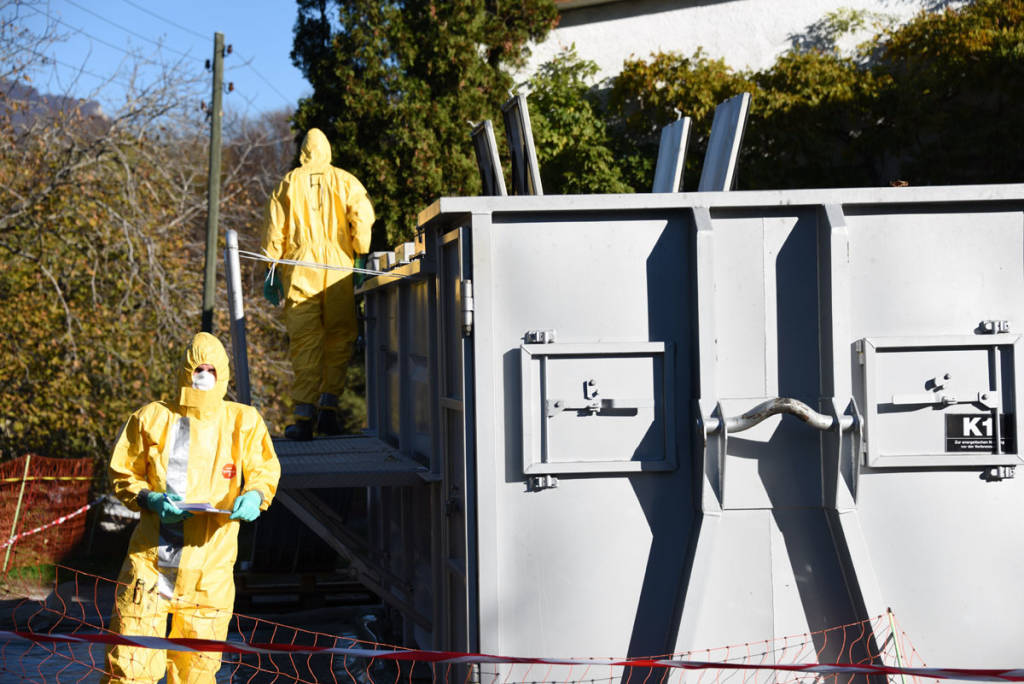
<point x="320" y="214"/>
<point x="197" y="448"/>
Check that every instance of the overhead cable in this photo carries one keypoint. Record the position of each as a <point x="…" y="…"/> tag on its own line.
<point x="134" y="33"/>
<point x="88" y="35"/>
<point x="246" y="62"/>
<point x="83" y="70"/>
<point x="166" y="20"/>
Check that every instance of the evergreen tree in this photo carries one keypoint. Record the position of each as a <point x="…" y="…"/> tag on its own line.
<point x="395" y="83"/>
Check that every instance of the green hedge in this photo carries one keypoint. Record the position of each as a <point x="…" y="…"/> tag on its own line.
<point x="933" y="101"/>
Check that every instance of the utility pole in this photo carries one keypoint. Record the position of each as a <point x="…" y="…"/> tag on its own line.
<point x="213" y="185"/>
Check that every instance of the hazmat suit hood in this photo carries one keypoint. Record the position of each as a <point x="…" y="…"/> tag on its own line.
<point x="204" y="348"/>
<point x="316" y="151"/>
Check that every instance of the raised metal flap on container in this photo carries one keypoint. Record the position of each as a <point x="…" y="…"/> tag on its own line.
<point x="594" y="408"/>
<point x="941" y="401"/>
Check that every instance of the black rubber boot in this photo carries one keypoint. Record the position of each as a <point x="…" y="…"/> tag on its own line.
<point x="327" y="422"/>
<point x="300" y="431"/>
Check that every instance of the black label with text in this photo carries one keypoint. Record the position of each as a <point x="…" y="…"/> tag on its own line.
<point x="974" y="432"/>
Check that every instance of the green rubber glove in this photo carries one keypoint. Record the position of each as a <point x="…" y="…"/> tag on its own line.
<point x="247" y="506"/>
<point x="273" y="292"/>
<point x="360" y="263"/>
<point x="162" y="505"/>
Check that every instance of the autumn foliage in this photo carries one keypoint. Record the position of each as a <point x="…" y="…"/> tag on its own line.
<point x="102" y="230"/>
<point x="102" y="215"/>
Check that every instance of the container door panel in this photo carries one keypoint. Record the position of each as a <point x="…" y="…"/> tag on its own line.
<point x="453" y="404"/>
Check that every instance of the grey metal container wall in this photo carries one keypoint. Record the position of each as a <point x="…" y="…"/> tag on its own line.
<point x="568" y="366"/>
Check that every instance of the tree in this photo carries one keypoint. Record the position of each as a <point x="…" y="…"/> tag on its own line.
<point x="102" y="231"/>
<point x="814" y="122"/>
<point x="929" y="102"/>
<point x="395" y="83"/>
<point x="648" y="95"/>
<point x="91" y="237"/>
<point x="571" y="137"/>
<point x="956" y="83"/>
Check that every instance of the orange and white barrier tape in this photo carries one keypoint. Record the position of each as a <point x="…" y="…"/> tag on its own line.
<point x="452" y="658"/>
<point x="46" y="478"/>
<point x="53" y="523"/>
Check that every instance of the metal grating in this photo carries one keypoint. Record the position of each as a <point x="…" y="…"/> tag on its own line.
<point x="348" y="461"/>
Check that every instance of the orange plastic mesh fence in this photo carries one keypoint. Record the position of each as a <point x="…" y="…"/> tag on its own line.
<point x="53" y="487"/>
<point x="868" y="642"/>
<point x="83" y="605"/>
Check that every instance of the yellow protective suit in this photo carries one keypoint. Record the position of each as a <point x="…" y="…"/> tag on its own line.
<point x="318" y="213"/>
<point x="207" y="450"/>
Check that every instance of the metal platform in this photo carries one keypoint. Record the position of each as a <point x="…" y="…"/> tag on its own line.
<point x="347" y="461"/>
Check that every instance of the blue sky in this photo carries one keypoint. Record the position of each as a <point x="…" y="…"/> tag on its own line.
<point x="99" y="32"/>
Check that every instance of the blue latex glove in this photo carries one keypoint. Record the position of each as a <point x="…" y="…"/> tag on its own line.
<point x="273" y="291"/>
<point x="247" y="507"/>
<point x="360" y="263"/>
<point x="162" y="505"/>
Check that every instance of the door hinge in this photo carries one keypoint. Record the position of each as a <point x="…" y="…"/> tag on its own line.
<point x="540" y="482"/>
<point x="997" y="473"/>
<point x="467" y="307"/>
<point x="539" y="336"/>
<point x="993" y="327"/>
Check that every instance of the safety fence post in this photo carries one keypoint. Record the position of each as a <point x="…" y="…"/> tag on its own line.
<point x="237" y="313"/>
<point x="17" y="511"/>
<point x="896" y="642"/>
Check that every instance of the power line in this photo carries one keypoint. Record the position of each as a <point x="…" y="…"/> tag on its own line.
<point x="138" y="35"/>
<point x="80" y="68"/>
<point x="89" y="35"/>
<point x="83" y="70"/>
<point x="166" y="20"/>
<point x="248" y="63"/>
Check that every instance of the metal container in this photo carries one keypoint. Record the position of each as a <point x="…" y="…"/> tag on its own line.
<point x="575" y="373"/>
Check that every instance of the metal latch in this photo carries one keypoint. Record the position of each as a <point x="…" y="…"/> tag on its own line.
<point x="987" y="398"/>
<point x="592" y="403"/>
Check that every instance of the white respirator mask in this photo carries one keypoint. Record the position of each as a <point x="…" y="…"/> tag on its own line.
<point x="203" y="380"/>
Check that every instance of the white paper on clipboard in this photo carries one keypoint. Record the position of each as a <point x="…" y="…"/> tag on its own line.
<point x="199" y="508"/>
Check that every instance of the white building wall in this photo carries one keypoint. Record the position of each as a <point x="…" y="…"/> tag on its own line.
<point x="747" y="33"/>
